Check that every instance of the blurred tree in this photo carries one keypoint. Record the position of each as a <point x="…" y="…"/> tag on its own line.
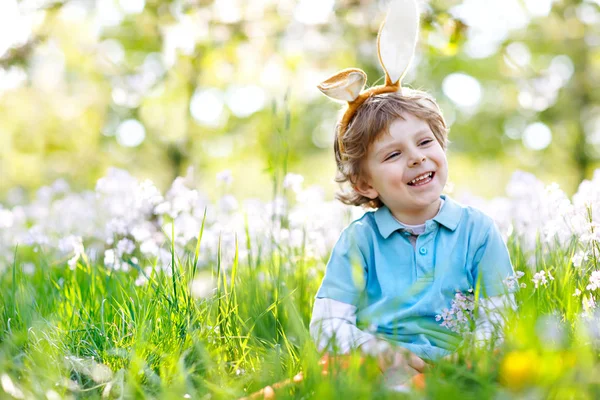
<point x="157" y="86"/>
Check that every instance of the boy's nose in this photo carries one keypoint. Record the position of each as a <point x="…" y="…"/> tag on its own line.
<point x="418" y="159"/>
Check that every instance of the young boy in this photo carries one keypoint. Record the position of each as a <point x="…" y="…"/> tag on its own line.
<point x="394" y="270"/>
<point x="397" y="268"/>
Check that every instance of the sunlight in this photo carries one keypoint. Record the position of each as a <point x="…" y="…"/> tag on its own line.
<point x="15" y="28"/>
<point x="246" y="100"/>
<point x="11" y="78"/>
<point x="131" y="133"/>
<point x="132" y="6"/>
<point x="462" y="89"/>
<point x="539" y="8"/>
<point x="489" y="23"/>
<point x="537" y="136"/>
<point x="207" y="107"/>
<point x="313" y="12"/>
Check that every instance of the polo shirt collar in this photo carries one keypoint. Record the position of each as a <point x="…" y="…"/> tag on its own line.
<point x="448" y="216"/>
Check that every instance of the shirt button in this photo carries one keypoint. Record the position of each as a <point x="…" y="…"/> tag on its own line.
<point x="423" y="250"/>
<point x="406" y="233"/>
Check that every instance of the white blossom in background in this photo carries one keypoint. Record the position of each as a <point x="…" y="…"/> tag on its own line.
<point x="512" y="281"/>
<point x="225" y="177"/>
<point x="542" y="278"/>
<point x="578" y="258"/>
<point x="28" y="268"/>
<point x="594" y="281"/>
<point x="72" y="245"/>
<point x="293" y="181"/>
<point x="203" y="286"/>
<point x="125" y="217"/>
<point x="589" y="305"/>
<point x="125" y="246"/>
<point x="588" y="194"/>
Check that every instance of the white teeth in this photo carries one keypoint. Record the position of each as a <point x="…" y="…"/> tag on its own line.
<point x="422" y="177"/>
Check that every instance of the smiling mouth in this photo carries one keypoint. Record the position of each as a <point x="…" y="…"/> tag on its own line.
<point x="422" y="181"/>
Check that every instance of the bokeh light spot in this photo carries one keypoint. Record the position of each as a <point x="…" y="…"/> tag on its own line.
<point x="245" y="101"/>
<point x="132" y="6"/>
<point x="462" y="89"/>
<point x="313" y="12"/>
<point x="207" y="107"/>
<point x="537" y="136"/>
<point x="131" y="133"/>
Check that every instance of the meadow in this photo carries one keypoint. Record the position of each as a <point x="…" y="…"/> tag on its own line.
<point x="126" y="292"/>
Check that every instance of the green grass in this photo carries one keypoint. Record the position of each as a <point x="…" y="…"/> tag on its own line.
<point x="93" y="333"/>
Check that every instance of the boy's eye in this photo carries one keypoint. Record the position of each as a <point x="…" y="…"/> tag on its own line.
<point x="426" y="141"/>
<point x="394" y="154"/>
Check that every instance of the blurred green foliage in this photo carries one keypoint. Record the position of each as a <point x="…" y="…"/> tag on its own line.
<point x="207" y="81"/>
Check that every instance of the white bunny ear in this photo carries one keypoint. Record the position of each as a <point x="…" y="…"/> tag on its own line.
<point x="346" y="85"/>
<point x="397" y="38"/>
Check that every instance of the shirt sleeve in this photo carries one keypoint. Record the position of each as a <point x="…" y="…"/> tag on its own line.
<point x="333" y="326"/>
<point x="492" y="265"/>
<point x="346" y="271"/>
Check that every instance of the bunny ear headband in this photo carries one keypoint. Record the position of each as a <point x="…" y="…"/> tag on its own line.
<point x="395" y="48"/>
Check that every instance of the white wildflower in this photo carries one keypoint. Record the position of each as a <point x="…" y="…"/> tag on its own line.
<point x="109" y="258"/>
<point x="459" y="317"/>
<point x="141" y="232"/>
<point x="72" y="244"/>
<point x="162" y="208"/>
<point x="512" y="281"/>
<point x="147" y="195"/>
<point x="149" y="247"/>
<point x="591" y="237"/>
<point x="542" y="278"/>
<point x="228" y="203"/>
<point x="142" y="278"/>
<point x="225" y="177"/>
<point x="589" y="304"/>
<point x="29" y="268"/>
<point x="116" y="226"/>
<point x="594" y="281"/>
<point x="293" y="181"/>
<point x="578" y="258"/>
<point x="125" y="246"/>
<point x="577" y="292"/>
<point x="203" y="286"/>
<point x="6" y="218"/>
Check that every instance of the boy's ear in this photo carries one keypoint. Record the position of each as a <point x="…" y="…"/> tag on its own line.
<point x="364" y="188"/>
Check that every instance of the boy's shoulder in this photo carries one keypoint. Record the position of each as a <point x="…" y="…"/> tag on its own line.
<point x="474" y="222"/>
<point x="365" y="224"/>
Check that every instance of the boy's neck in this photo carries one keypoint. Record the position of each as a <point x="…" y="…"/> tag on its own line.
<point x="418" y="217"/>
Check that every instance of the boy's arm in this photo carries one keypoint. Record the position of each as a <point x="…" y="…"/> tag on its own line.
<point x="333" y="324"/>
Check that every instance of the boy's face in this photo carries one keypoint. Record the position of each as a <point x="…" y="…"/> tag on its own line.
<point x="394" y="160"/>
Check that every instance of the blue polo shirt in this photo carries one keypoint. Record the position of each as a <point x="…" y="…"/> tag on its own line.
<point x="399" y="289"/>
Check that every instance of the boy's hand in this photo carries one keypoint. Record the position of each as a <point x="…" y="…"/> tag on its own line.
<point x="393" y="357"/>
<point x="402" y="359"/>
